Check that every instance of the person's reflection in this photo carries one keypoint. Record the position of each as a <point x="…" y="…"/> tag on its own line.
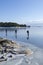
<point x="27" y="34"/>
<point x="6" y="33"/>
<point x="16" y="33"/>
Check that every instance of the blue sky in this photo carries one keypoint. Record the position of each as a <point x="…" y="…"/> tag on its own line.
<point x="21" y="11"/>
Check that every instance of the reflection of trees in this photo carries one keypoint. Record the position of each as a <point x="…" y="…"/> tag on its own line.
<point x="27" y="34"/>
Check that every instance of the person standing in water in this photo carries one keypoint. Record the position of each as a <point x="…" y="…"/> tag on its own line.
<point x="16" y="33"/>
<point x="27" y="34"/>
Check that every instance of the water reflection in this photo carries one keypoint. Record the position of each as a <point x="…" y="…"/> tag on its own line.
<point x="6" y="32"/>
<point x="16" y="33"/>
<point x="11" y="30"/>
<point x="27" y="34"/>
<point x="24" y="35"/>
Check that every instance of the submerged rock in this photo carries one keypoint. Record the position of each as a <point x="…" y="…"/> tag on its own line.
<point x="10" y="56"/>
<point x="3" y="59"/>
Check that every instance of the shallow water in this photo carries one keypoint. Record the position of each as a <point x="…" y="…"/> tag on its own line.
<point x="35" y="36"/>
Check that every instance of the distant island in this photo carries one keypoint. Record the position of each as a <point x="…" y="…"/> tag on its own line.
<point x="12" y="24"/>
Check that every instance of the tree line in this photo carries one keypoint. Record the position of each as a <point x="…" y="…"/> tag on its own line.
<point x="11" y="24"/>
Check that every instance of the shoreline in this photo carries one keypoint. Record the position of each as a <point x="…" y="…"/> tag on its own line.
<point x="28" y="53"/>
<point x="9" y="46"/>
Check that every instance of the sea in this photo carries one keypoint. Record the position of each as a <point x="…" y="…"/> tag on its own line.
<point x="34" y="35"/>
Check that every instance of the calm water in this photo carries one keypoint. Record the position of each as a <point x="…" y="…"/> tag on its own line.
<point x="34" y="37"/>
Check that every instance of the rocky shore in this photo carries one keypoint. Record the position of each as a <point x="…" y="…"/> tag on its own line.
<point x="13" y="53"/>
<point x="9" y="46"/>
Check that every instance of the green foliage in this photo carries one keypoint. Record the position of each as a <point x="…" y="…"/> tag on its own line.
<point x="11" y="24"/>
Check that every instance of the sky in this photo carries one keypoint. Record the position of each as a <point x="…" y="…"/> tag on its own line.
<point x="21" y="11"/>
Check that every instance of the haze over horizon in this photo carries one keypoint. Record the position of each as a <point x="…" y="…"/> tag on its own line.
<point x="21" y="11"/>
